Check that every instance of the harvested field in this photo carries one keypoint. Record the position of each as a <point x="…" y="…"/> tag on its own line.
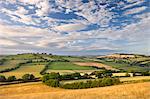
<point x="40" y="91"/>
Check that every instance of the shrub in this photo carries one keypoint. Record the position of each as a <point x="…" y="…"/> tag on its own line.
<point x="2" y="78"/>
<point x="28" y="77"/>
<point x="11" y="78"/>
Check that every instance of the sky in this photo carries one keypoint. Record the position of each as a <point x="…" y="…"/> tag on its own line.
<point x="75" y="27"/>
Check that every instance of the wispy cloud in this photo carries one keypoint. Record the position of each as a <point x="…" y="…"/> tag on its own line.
<point x="74" y="26"/>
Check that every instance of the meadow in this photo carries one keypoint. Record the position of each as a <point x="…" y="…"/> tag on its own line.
<point x="26" y="69"/>
<point x="10" y="64"/>
<point x="68" y="66"/>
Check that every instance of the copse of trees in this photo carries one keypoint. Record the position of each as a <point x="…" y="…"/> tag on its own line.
<point x="49" y="76"/>
<point x="2" y="78"/>
<point x="28" y="77"/>
<point x="11" y="78"/>
<point x="146" y="73"/>
<point x="71" y="76"/>
<point x="52" y="82"/>
<point x="101" y="74"/>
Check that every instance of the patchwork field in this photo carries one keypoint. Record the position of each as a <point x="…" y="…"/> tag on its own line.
<point x="25" y="69"/>
<point x="71" y="71"/>
<point x="68" y="66"/>
<point x="95" y="64"/>
<point x="40" y="91"/>
<point x="10" y="64"/>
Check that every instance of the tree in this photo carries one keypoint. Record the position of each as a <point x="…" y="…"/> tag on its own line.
<point x="85" y="76"/>
<point x="146" y="73"/>
<point x="11" y="78"/>
<point x="51" y="76"/>
<point x="2" y="78"/>
<point x="76" y="75"/>
<point x="28" y="77"/>
<point x="52" y="83"/>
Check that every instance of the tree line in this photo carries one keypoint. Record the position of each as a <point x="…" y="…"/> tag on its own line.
<point x="25" y="78"/>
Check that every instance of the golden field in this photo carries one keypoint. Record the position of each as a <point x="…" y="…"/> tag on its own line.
<point x="40" y="91"/>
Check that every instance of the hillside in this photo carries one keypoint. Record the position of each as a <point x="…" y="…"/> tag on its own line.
<point x="40" y="91"/>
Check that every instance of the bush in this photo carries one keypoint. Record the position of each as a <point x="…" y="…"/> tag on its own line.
<point x="28" y="77"/>
<point x="11" y="78"/>
<point x="52" y="83"/>
<point x="2" y="78"/>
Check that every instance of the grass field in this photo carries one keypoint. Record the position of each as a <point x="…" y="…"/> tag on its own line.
<point x="10" y="64"/>
<point x="71" y="71"/>
<point x="75" y="59"/>
<point x="40" y="91"/>
<point x="68" y="66"/>
<point x="24" y="69"/>
<point x="125" y="66"/>
<point x="95" y="64"/>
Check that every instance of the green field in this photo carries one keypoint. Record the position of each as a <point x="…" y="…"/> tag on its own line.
<point x="68" y="66"/>
<point x="124" y="66"/>
<point x="75" y="59"/>
<point x="26" y="69"/>
<point x="10" y="64"/>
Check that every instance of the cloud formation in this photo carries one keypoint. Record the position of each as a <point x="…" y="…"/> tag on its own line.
<point x="80" y="26"/>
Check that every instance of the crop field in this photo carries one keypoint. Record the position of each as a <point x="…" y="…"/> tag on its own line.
<point x="71" y="71"/>
<point x="23" y="56"/>
<point x="40" y="91"/>
<point x="124" y="66"/>
<point x="68" y="66"/>
<point x="25" y="69"/>
<point x="76" y="59"/>
<point x="95" y="64"/>
<point x="10" y="64"/>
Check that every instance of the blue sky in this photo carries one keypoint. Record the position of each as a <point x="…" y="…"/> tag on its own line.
<point x="75" y="27"/>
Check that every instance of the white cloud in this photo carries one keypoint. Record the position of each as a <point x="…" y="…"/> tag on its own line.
<point x="7" y="30"/>
<point x="69" y="27"/>
<point x="133" y="4"/>
<point x="135" y="10"/>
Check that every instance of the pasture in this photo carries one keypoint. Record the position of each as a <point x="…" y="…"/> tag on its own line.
<point x="26" y="69"/>
<point x="68" y="66"/>
<point x="10" y="64"/>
